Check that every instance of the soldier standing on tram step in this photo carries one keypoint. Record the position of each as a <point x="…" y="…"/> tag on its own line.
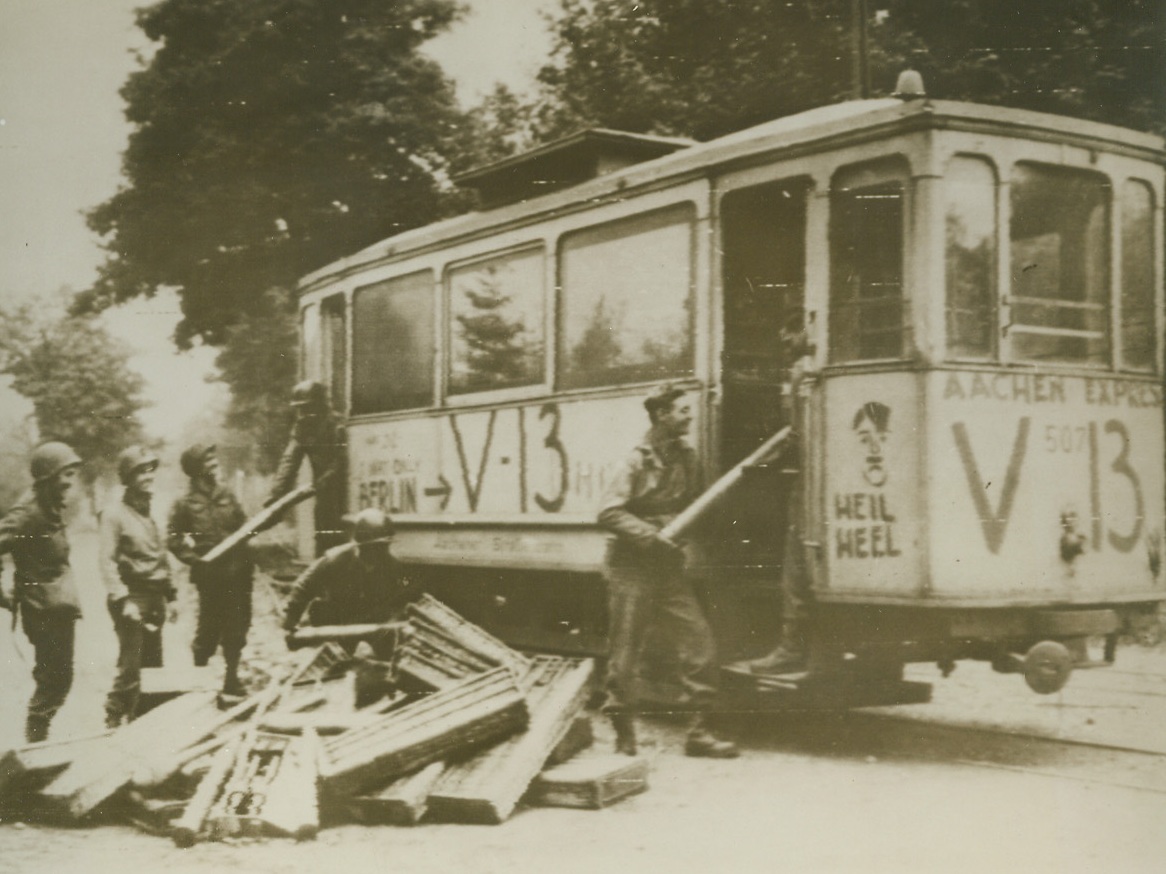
<point x="791" y="652"/>
<point x="45" y="594"/>
<point x="645" y="575"/>
<point x="319" y="436"/>
<point x="204" y="516"/>
<point x="136" y="572"/>
<point x="360" y="582"/>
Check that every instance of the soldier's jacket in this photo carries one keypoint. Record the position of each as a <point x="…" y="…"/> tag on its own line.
<point x="343" y="590"/>
<point x="199" y="521"/>
<point x="35" y="537"/>
<point x="323" y="441"/>
<point x="132" y="554"/>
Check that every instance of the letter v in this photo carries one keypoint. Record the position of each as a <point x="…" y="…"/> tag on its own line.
<point x="473" y="490"/>
<point x="994" y="522"/>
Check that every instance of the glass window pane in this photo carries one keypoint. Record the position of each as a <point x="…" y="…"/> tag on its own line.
<point x="1059" y="265"/>
<point x="970" y="225"/>
<point x="866" y="272"/>
<point x="310" y="343"/>
<point x="626" y="303"/>
<point x="392" y="345"/>
<point x="335" y="354"/>
<point x="1137" y="276"/>
<point x="497" y="323"/>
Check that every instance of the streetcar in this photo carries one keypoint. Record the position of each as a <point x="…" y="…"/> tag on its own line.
<point x="981" y="456"/>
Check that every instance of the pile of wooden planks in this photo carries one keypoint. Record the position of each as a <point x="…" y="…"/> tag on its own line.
<point x="455" y="727"/>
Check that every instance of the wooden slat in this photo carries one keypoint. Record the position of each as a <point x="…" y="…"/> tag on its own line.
<point x="487" y="787"/>
<point x="590" y="782"/>
<point x="402" y="802"/>
<point x="480" y="710"/>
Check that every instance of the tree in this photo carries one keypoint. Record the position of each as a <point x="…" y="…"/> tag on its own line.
<point x="79" y="381"/>
<point x="704" y="69"/>
<point x="496" y="355"/>
<point x="270" y="138"/>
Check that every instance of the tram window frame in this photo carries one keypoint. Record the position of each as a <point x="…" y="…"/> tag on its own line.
<point x="533" y="381"/>
<point x="334" y="350"/>
<point x="368" y="397"/>
<point x="858" y="194"/>
<point x="971" y="254"/>
<point x="681" y="216"/>
<point x="1137" y="320"/>
<point x="310" y="341"/>
<point x="1085" y="265"/>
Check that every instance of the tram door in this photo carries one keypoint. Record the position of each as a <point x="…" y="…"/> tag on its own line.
<point x="763" y="234"/>
<point x="763" y="272"/>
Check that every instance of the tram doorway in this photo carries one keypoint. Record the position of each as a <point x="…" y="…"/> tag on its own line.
<point x="763" y="275"/>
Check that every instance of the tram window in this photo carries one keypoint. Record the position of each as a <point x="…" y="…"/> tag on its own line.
<point x="866" y="272"/>
<point x="970" y="248"/>
<point x="393" y="344"/>
<point x="1059" y="265"/>
<point x="334" y="356"/>
<point x="626" y="301"/>
<point x="497" y="323"/>
<point x="1137" y="276"/>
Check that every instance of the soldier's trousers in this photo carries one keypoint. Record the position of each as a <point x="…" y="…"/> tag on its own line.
<point x="663" y="602"/>
<point x="139" y="646"/>
<point x="224" y="616"/>
<point x="51" y="636"/>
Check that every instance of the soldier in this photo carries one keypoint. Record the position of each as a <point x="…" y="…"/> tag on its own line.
<point x="199" y="520"/>
<point x="790" y="653"/>
<point x="645" y="574"/>
<point x="317" y="435"/>
<point x="45" y="595"/>
<point x="356" y="583"/>
<point x="136" y="572"/>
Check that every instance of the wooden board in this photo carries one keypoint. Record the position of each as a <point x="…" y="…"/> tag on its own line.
<point x="402" y="802"/>
<point x="589" y="782"/>
<point x="487" y="787"/>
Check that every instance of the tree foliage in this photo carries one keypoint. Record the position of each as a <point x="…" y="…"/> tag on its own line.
<point x="78" y="379"/>
<point x="704" y="69"/>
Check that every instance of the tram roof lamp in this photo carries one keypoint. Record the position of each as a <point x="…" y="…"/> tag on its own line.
<point x="910" y="86"/>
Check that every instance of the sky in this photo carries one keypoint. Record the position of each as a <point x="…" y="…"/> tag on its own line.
<point x="62" y="132"/>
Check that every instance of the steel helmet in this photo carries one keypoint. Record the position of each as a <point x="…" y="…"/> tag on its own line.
<point x="309" y="394"/>
<point x="194" y="459"/>
<point x="134" y="459"/>
<point x="371" y="524"/>
<point x="49" y="459"/>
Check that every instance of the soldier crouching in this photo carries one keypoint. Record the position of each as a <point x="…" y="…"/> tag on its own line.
<point x="207" y="514"/>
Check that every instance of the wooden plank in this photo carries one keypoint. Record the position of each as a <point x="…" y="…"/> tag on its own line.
<point x="28" y="768"/>
<point x="589" y="782"/>
<point x="579" y="737"/>
<point x="263" y="518"/>
<point x="429" y="610"/>
<point x="479" y="711"/>
<point x="189" y="826"/>
<point x="487" y="787"/>
<point x="271" y="790"/>
<point x="402" y="802"/>
<point x="317" y="635"/>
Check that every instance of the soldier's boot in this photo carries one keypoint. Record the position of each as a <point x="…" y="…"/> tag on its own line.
<point x="702" y="743"/>
<point x="232" y="686"/>
<point x="624" y="724"/>
<point x="36" y="729"/>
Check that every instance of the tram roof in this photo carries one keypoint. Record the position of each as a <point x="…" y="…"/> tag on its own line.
<point x="823" y="127"/>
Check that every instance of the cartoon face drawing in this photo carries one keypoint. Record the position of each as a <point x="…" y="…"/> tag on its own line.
<point x="872" y="424"/>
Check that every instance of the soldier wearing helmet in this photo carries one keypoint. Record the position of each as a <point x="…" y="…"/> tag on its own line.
<point x="204" y="516"/>
<point x="318" y="436"/>
<point x="45" y="594"/>
<point x="136" y="573"/>
<point x="355" y="583"/>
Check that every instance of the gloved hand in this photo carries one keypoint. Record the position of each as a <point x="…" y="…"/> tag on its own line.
<point x="289" y="638"/>
<point x="130" y="610"/>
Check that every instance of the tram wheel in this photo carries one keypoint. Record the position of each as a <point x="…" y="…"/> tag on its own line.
<point x="1047" y="667"/>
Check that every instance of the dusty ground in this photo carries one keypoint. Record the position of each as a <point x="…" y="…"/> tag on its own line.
<point x="856" y="793"/>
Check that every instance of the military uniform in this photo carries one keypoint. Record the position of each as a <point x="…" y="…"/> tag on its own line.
<point x="322" y="440"/>
<point x="341" y="589"/>
<point x="646" y="585"/>
<point x="199" y="521"/>
<point x="46" y="596"/>
<point x="134" y="568"/>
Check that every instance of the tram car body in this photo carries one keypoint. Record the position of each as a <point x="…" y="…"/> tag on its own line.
<point x="980" y="419"/>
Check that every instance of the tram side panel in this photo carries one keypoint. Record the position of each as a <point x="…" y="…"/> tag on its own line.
<point x="1045" y="488"/>
<point x="478" y="487"/>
